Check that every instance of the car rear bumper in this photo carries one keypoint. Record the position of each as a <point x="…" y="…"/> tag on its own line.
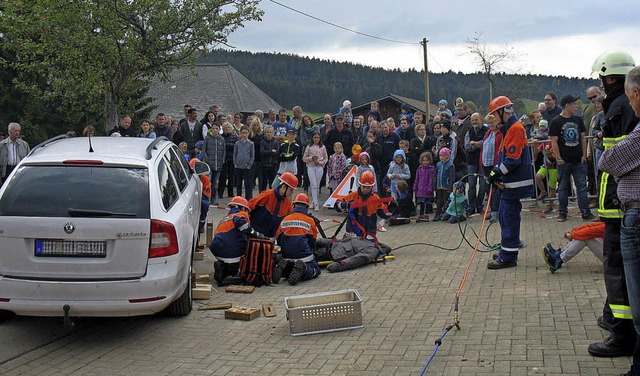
<point x="162" y="284"/>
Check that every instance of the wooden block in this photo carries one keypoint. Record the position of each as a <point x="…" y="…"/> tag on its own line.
<point x="215" y="306"/>
<point x="201" y="292"/>
<point x="268" y="310"/>
<point x="242" y="313"/>
<point x="209" y="232"/>
<point x="198" y="255"/>
<point x="240" y="289"/>
<point x="202" y="278"/>
<point x="193" y="279"/>
<point x="200" y="247"/>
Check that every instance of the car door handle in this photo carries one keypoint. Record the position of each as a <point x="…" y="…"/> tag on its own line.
<point x="190" y="209"/>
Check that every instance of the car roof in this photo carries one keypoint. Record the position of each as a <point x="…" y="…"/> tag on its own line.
<point x="118" y="150"/>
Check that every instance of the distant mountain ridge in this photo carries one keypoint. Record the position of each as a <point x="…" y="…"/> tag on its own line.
<point x="321" y="85"/>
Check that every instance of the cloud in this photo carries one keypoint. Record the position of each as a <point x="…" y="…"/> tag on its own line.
<point x="548" y="37"/>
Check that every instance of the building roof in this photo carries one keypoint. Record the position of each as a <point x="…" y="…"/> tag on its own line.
<point x="416" y="105"/>
<point x="204" y="85"/>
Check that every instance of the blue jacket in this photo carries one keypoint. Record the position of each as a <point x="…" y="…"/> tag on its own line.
<point x="445" y="175"/>
<point x="514" y="161"/>
<point x="229" y="240"/>
<point x="297" y="235"/>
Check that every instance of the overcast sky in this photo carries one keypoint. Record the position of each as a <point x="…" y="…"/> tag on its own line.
<point x="547" y="37"/>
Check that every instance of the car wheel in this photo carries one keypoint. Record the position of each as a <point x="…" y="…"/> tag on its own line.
<point x="183" y="305"/>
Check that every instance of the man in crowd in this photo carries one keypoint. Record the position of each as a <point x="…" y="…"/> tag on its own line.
<point x="12" y="150"/>
<point x="191" y="131"/>
<point x="124" y="128"/>
<point x="552" y="110"/>
<point x="473" y="145"/>
<point x="568" y="139"/>
<point x="162" y="128"/>
<point x="339" y="133"/>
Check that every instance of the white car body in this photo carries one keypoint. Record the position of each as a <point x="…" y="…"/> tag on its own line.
<point x="111" y="271"/>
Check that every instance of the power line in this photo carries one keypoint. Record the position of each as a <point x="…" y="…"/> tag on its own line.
<point x="342" y="27"/>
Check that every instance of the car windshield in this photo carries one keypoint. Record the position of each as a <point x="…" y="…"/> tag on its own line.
<point x="77" y="191"/>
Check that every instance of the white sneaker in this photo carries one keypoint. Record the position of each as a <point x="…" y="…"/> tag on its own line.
<point x="317" y="207"/>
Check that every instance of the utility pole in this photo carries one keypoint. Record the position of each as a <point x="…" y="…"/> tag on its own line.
<point x="426" y="79"/>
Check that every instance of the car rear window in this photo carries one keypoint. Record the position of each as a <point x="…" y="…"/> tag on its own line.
<point x="77" y="191"/>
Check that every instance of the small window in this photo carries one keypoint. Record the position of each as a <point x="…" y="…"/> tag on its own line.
<point x="168" y="189"/>
<point x="177" y="167"/>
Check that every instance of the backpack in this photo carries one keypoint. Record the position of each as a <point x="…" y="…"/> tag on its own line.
<point x="256" y="267"/>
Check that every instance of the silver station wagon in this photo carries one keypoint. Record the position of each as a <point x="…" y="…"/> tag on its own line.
<point x="99" y="227"/>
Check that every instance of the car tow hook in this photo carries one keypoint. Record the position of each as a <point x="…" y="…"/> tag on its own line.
<point x="68" y="323"/>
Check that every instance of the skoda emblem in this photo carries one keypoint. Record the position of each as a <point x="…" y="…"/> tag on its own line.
<point x="69" y="228"/>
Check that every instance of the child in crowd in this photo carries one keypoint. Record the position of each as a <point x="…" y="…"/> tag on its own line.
<point x="374" y="111"/>
<point x="457" y="205"/>
<point x="445" y="173"/>
<point x="548" y="171"/>
<point x="269" y="152"/>
<point x="183" y="149"/>
<point x="243" y="157"/>
<point x="404" y="206"/>
<point x="287" y="154"/>
<point x="398" y="170"/>
<point x="199" y="154"/>
<point x="337" y="165"/>
<point x="146" y="130"/>
<point x="423" y="186"/>
<point x="346" y="109"/>
<point x="365" y="165"/>
<point x="589" y="235"/>
<point x="315" y="156"/>
<point x="404" y="146"/>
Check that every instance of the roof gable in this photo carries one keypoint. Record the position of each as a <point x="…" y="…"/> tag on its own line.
<point x="204" y="85"/>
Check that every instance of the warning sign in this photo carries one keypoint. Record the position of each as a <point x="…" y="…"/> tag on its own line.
<point x="347" y="185"/>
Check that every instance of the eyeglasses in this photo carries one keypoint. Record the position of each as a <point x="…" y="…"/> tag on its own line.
<point x="592" y="97"/>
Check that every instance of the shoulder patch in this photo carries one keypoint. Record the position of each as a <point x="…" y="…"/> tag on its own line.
<point x="512" y="149"/>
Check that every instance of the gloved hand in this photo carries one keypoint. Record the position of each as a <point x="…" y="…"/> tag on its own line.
<point x="494" y="177"/>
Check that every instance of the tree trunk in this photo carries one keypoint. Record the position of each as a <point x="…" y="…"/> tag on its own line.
<point x="110" y="111"/>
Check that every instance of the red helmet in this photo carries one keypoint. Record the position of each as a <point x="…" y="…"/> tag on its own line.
<point x="240" y="202"/>
<point x="301" y="198"/>
<point x="289" y="179"/>
<point x="367" y="179"/>
<point x="498" y="103"/>
<point x="192" y="162"/>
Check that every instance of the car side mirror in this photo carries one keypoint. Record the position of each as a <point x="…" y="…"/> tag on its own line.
<point x="201" y="168"/>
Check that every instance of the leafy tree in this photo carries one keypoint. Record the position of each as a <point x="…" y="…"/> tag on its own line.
<point x="97" y="54"/>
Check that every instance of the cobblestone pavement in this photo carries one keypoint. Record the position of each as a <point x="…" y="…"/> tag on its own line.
<point x="518" y="321"/>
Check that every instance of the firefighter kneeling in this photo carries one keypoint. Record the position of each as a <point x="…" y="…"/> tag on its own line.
<point x="297" y="239"/>
<point x="230" y="240"/>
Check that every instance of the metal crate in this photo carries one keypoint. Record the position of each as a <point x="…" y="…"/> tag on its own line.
<point x="324" y="312"/>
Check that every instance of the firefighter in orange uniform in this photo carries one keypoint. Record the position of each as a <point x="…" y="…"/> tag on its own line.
<point x="512" y="174"/>
<point x="361" y="220"/>
<point x="206" y="196"/>
<point x="271" y="206"/>
<point x="230" y="240"/>
<point x="297" y="239"/>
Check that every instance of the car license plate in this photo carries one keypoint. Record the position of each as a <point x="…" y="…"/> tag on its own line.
<point x="70" y="248"/>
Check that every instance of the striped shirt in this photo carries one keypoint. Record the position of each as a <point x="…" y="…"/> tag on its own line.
<point x="623" y="161"/>
<point x="488" y="150"/>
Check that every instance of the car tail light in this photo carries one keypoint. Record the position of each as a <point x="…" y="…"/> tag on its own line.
<point x="164" y="241"/>
<point x="84" y="162"/>
<point x="4" y="300"/>
<point x="146" y="300"/>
